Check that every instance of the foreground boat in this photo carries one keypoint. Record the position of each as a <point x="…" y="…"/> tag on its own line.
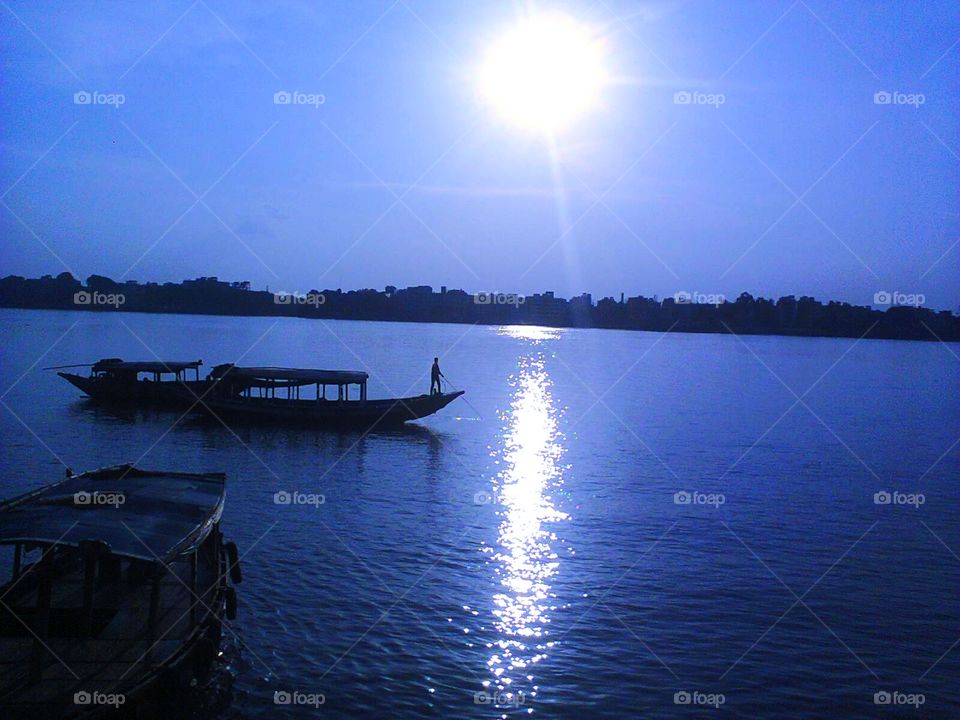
<point x="145" y="384"/>
<point x="252" y="393"/>
<point x="120" y="580"/>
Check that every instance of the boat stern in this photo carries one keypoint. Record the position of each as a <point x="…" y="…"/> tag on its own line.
<point x="78" y="381"/>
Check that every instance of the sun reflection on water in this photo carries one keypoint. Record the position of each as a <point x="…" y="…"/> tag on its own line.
<point x="525" y="561"/>
<point x="536" y="333"/>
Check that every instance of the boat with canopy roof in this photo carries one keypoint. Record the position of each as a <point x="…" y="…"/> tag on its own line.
<point x="144" y="383"/>
<point x="121" y="579"/>
<point x="303" y="396"/>
<point x="300" y="396"/>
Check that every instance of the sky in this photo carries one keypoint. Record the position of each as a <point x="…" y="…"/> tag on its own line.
<point x="786" y="173"/>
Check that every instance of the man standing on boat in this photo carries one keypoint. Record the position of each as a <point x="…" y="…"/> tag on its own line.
<point x="435" y="376"/>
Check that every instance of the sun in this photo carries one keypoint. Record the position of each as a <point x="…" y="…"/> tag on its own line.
<point x="544" y="72"/>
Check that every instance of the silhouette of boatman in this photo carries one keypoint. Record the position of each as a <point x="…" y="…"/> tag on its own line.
<point x="435" y="376"/>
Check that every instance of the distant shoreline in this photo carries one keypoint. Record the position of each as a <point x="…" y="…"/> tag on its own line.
<point x="484" y="324"/>
<point x="686" y="313"/>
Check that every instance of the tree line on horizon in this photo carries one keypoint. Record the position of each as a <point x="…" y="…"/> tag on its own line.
<point x="746" y="314"/>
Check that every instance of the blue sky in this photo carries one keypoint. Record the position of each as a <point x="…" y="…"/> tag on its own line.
<point x="799" y="182"/>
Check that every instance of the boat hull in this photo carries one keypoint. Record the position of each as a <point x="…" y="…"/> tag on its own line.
<point x="349" y="414"/>
<point x="170" y="394"/>
<point x="155" y="683"/>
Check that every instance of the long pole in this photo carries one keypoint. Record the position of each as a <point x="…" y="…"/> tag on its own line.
<point x="462" y="397"/>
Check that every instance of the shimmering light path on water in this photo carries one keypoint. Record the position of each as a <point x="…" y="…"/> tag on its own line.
<point x="525" y="559"/>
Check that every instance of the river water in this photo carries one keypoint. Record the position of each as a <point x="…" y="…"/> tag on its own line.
<point x="617" y="524"/>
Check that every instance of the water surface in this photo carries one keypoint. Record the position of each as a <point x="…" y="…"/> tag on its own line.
<point x="616" y="522"/>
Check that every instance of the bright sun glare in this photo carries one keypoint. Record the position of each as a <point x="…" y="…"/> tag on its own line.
<point x="544" y="72"/>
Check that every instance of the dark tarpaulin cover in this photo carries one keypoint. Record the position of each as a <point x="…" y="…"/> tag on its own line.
<point x="138" y="513"/>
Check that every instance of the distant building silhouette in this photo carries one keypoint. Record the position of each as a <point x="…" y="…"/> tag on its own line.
<point x="747" y="315"/>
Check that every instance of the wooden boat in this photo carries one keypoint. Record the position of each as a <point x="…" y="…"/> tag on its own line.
<point x="120" y="580"/>
<point x="299" y="396"/>
<point x="145" y="384"/>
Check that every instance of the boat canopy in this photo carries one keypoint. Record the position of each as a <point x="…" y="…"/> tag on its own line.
<point x="151" y="366"/>
<point x="297" y="376"/>
<point x="140" y="514"/>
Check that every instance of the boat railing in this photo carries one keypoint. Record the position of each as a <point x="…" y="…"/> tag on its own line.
<point x="63" y="575"/>
<point x="155" y="370"/>
<point x="272" y="391"/>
